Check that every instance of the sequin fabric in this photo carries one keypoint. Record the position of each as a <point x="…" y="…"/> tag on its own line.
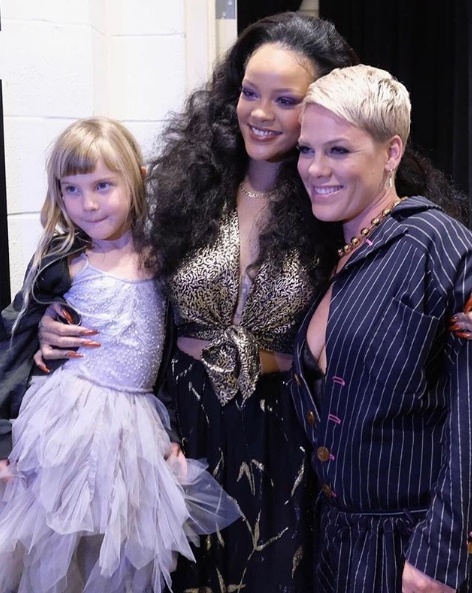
<point x="204" y="294"/>
<point x="128" y="314"/>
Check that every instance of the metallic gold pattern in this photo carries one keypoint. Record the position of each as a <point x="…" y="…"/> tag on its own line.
<point x="204" y="294"/>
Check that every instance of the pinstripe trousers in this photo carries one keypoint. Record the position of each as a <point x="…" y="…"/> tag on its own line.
<point x="362" y="551"/>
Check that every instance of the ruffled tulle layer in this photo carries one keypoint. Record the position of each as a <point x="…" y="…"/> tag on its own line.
<point x="92" y="505"/>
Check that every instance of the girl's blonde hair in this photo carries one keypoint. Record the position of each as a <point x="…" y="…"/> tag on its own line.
<point x="76" y="151"/>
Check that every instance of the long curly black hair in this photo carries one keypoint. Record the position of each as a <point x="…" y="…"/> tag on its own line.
<point x="202" y="158"/>
<point x="417" y="176"/>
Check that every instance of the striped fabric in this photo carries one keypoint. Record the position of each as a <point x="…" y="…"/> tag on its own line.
<point x="393" y="429"/>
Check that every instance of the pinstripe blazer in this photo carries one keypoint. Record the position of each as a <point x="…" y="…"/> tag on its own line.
<point x="393" y="428"/>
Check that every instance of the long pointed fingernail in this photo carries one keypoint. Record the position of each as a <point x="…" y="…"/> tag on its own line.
<point x="67" y="315"/>
<point x="464" y="334"/>
<point x="72" y="354"/>
<point x="90" y="343"/>
<point x="89" y="332"/>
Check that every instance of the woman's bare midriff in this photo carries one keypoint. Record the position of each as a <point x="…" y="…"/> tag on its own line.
<point x="271" y="362"/>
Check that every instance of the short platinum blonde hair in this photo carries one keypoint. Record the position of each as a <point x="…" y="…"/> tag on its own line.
<point x="367" y="97"/>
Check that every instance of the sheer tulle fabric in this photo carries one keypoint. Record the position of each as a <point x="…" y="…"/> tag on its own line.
<point x="92" y="505"/>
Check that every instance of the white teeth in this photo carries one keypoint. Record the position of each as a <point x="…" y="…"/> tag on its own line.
<point x="324" y="191"/>
<point x="262" y="133"/>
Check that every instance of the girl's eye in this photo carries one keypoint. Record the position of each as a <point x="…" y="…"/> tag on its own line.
<point x="70" y="190"/>
<point x="103" y="185"/>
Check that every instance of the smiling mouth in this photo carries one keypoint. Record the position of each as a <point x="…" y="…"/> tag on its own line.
<point x="325" y="191"/>
<point x="263" y="133"/>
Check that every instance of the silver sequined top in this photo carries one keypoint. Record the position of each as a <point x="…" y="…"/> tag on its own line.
<point x="130" y="316"/>
<point x="204" y="294"/>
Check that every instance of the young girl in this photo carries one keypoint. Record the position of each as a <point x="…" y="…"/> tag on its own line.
<point x="95" y="498"/>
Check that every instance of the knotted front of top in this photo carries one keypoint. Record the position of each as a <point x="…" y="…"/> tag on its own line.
<point x="204" y="293"/>
<point x="232" y="362"/>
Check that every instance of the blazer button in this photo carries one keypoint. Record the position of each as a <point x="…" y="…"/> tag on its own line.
<point x="297" y="379"/>
<point x="327" y="490"/>
<point x="323" y="454"/>
<point x="310" y="417"/>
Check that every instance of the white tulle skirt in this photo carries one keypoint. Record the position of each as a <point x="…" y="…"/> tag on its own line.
<point x="92" y="505"/>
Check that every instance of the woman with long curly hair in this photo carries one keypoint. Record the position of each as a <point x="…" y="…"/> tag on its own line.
<point x="237" y="250"/>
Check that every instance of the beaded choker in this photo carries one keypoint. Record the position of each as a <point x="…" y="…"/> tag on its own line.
<point x="255" y="194"/>
<point x="366" y="231"/>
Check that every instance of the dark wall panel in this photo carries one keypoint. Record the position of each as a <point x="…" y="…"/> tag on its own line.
<point x="4" y="257"/>
<point x="428" y="46"/>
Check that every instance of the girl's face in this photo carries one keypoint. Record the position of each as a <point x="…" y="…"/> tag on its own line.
<point x="344" y="169"/>
<point x="98" y="202"/>
<point x="274" y="85"/>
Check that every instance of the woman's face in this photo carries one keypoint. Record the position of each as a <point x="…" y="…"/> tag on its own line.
<point x="274" y="85"/>
<point x="344" y="169"/>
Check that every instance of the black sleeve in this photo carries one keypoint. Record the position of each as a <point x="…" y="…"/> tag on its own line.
<point x="18" y="348"/>
<point x="160" y="389"/>
<point x="16" y="363"/>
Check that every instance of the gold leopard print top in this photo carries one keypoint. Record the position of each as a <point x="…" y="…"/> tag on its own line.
<point x="204" y="294"/>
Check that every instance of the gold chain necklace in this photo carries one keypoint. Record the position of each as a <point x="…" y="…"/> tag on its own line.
<point x="255" y="194"/>
<point x="366" y="231"/>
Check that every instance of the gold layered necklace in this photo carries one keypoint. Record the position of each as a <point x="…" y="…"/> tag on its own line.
<point x="256" y="194"/>
<point x="366" y="231"/>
